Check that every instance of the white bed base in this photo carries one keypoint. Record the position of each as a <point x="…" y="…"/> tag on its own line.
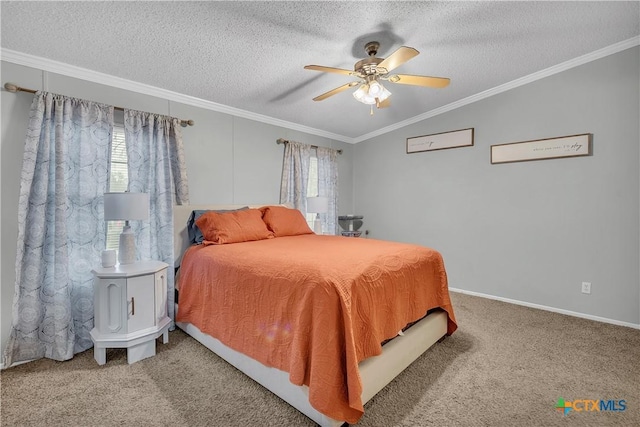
<point x="375" y="372"/>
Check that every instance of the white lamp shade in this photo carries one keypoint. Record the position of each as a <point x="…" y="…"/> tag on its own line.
<point x="317" y="204"/>
<point x="126" y="206"/>
<point x="375" y="89"/>
<point x="384" y="95"/>
<point x="367" y="93"/>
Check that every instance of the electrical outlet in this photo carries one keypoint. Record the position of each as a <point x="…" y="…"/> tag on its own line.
<point x="586" y="287"/>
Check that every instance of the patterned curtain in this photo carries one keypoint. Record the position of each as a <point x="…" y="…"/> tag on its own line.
<point x="328" y="186"/>
<point x="156" y="166"/>
<point x="295" y="175"/>
<point x="61" y="230"/>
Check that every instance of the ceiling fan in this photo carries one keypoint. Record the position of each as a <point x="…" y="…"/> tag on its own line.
<point x="371" y="70"/>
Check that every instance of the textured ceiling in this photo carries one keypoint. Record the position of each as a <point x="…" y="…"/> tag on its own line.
<point x="250" y="55"/>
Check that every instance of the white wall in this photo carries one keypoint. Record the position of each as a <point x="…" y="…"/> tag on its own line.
<point x="531" y="231"/>
<point x="229" y="159"/>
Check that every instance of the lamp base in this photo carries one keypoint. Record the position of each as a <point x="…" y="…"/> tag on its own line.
<point x="317" y="225"/>
<point x="127" y="246"/>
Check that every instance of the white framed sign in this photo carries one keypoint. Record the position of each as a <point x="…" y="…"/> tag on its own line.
<point x="440" y="141"/>
<point x="540" y="149"/>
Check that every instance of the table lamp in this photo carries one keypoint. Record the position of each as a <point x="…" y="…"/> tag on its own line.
<point x="317" y="205"/>
<point x="126" y="207"/>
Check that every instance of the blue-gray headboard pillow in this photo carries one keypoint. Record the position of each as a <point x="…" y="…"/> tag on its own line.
<point x="195" y="235"/>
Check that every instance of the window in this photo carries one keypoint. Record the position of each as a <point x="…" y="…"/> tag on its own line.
<point x="312" y="186"/>
<point x="118" y="180"/>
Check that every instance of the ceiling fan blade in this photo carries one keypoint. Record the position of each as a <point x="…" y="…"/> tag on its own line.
<point x="397" y="58"/>
<point x="334" y="91"/>
<point x="328" y="69"/>
<point x="408" y="79"/>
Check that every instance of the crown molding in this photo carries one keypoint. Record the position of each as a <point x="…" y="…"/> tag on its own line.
<point x="106" y="79"/>
<point x="57" y="67"/>
<point x="600" y="53"/>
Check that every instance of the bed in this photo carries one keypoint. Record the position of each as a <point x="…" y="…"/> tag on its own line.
<point x="318" y="344"/>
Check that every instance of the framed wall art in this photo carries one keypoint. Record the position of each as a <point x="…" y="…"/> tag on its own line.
<point x="440" y="141"/>
<point x="540" y="149"/>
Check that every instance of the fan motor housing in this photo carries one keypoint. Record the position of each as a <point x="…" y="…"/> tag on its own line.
<point x="372" y="48"/>
<point x="368" y="66"/>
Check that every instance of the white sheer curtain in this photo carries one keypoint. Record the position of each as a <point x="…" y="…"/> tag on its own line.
<point x="156" y="166"/>
<point x="328" y="186"/>
<point x="61" y="230"/>
<point x="295" y="175"/>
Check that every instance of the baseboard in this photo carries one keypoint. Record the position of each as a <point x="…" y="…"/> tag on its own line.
<point x="547" y="308"/>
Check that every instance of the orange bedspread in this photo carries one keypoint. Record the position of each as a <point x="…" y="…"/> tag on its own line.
<point x="313" y="306"/>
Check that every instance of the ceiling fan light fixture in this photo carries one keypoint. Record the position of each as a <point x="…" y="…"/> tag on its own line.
<point x="362" y="94"/>
<point x="367" y="96"/>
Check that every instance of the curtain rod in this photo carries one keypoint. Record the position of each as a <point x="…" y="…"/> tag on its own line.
<point x="284" y="141"/>
<point x="10" y="87"/>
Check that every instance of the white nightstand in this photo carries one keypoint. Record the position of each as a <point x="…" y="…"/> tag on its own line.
<point x="130" y="309"/>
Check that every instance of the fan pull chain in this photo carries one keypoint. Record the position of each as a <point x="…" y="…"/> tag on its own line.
<point x="371" y="113"/>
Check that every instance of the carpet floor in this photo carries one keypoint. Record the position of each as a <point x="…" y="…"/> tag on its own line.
<point x="506" y="365"/>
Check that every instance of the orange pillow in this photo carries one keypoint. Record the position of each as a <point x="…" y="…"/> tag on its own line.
<point x="284" y="221"/>
<point x="233" y="227"/>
